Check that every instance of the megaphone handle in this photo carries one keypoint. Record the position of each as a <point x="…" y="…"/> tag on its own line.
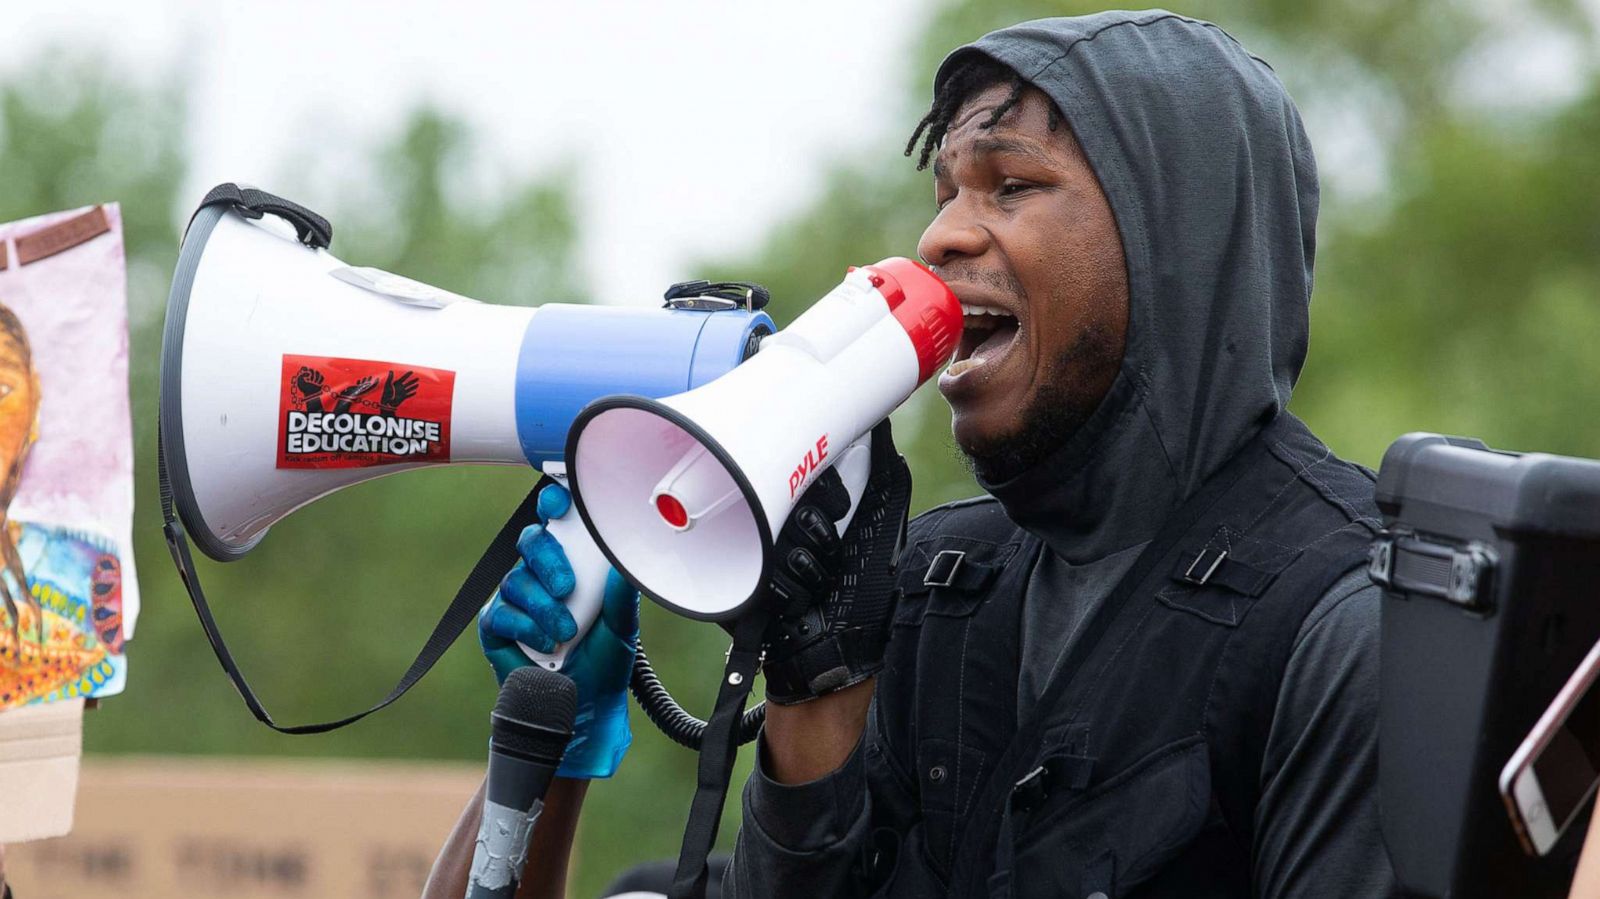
<point x="854" y="467"/>
<point x="312" y="229"/>
<point x="590" y="569"/>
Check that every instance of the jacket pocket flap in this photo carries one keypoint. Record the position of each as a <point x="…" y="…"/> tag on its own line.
<point x="1142" y="818"/>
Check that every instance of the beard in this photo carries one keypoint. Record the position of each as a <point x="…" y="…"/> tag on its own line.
<point x="1079" y="378"/>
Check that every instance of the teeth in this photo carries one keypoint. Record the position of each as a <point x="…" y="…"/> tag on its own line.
<point x="974" y="309"/>
<point x="983" y="318"/>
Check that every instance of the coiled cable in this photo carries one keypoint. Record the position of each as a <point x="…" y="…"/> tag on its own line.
<point x="671" y="718"/>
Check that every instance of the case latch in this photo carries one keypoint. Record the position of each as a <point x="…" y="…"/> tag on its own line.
<point x="1402" y="562"/>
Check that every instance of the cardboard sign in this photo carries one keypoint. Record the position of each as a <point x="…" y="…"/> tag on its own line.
<point x="68" y="594"/>
<point x="248" y="829"/>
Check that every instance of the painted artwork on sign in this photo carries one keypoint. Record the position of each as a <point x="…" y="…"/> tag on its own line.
<point x="68" y="598"/>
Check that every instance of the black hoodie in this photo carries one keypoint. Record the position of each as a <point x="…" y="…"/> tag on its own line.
<point x="1208" y="171"/>
<point x="1203" y="159"/>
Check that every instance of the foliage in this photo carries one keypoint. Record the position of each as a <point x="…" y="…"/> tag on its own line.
<point x="1459" y="292"/>
<point x="1459" y="299"/>
<point x="334" y="604"/>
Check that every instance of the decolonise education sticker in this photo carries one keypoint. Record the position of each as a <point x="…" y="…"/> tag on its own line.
<point x="354" y="413"/>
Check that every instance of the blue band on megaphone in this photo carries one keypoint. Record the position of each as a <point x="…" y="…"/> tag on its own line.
<point x="572" y="354"/>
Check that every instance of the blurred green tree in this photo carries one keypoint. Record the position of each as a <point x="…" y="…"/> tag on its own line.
<point x="1456" y="296"/>
<point x="336" y="601"/>
<point x="345" y="593"/>
<point x="1458" y="290"/>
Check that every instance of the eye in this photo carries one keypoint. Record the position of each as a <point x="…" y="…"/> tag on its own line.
<point x="1012" y="187"/>
<point x="5" y="390"/>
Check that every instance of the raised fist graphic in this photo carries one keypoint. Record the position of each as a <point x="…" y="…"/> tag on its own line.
<point x="310" y="383"/>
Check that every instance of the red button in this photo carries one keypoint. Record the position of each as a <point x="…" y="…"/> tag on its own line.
<point x="672" y="511"/>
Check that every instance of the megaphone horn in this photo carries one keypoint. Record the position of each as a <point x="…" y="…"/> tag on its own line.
<point x="287" y="375"/>
<point x="684" y="494"/>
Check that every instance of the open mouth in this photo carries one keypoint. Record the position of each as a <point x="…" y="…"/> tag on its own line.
<point x="988" y="333"/>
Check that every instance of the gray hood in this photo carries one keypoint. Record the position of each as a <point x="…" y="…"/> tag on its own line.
<point x="1211" y="178"/>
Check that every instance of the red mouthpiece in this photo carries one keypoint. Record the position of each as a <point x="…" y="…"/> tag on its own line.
<point x="924" y="306"/>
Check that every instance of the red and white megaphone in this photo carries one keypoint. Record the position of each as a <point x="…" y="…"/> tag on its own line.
<point x="685" y="494"/>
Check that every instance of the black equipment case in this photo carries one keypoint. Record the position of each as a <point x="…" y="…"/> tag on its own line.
<point x="1490" y="563"/>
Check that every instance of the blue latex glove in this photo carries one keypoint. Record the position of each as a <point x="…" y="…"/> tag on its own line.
<point x="528" y="608"/>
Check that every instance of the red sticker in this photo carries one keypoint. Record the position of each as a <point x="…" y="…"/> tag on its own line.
<point x="354" y="413"/>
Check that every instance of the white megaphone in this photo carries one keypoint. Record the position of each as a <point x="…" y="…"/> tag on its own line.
<point x="287" y="375"/>
<point x="685" y="494"/>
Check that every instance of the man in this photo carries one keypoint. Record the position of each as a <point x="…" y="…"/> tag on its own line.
<point x="1145" y="664"/>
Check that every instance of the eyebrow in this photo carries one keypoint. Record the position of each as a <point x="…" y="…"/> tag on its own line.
<point x="990" y="145"/>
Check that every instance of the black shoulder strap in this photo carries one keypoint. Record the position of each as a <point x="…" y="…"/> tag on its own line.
<point x="963" y="545"/>
<point x="718" y="750"/>
<point x="482" y="581"/>
<point x="1241" y="734"/>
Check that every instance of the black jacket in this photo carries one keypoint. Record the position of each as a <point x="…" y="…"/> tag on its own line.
<point x="1197" y="739"/>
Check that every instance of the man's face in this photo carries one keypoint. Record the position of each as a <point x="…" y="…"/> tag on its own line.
<point x="1025" y="237"/>
<point x="19" y="402"/>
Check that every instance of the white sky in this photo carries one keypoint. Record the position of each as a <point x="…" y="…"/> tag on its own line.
<point x="607" y="85"/>
<point x="763" y="96"/>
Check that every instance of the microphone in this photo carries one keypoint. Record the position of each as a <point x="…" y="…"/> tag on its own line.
<point x="530" y="727"/>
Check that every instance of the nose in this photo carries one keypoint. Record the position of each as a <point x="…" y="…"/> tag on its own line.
<point x="954" y="234"/>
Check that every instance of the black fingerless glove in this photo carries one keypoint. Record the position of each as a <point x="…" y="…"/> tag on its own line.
<point x="834" y="596"/>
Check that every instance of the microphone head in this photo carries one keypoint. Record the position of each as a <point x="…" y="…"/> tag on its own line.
<point x="534" y="713"/>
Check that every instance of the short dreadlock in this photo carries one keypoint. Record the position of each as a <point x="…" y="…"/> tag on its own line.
<point x="971" y="74"/>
